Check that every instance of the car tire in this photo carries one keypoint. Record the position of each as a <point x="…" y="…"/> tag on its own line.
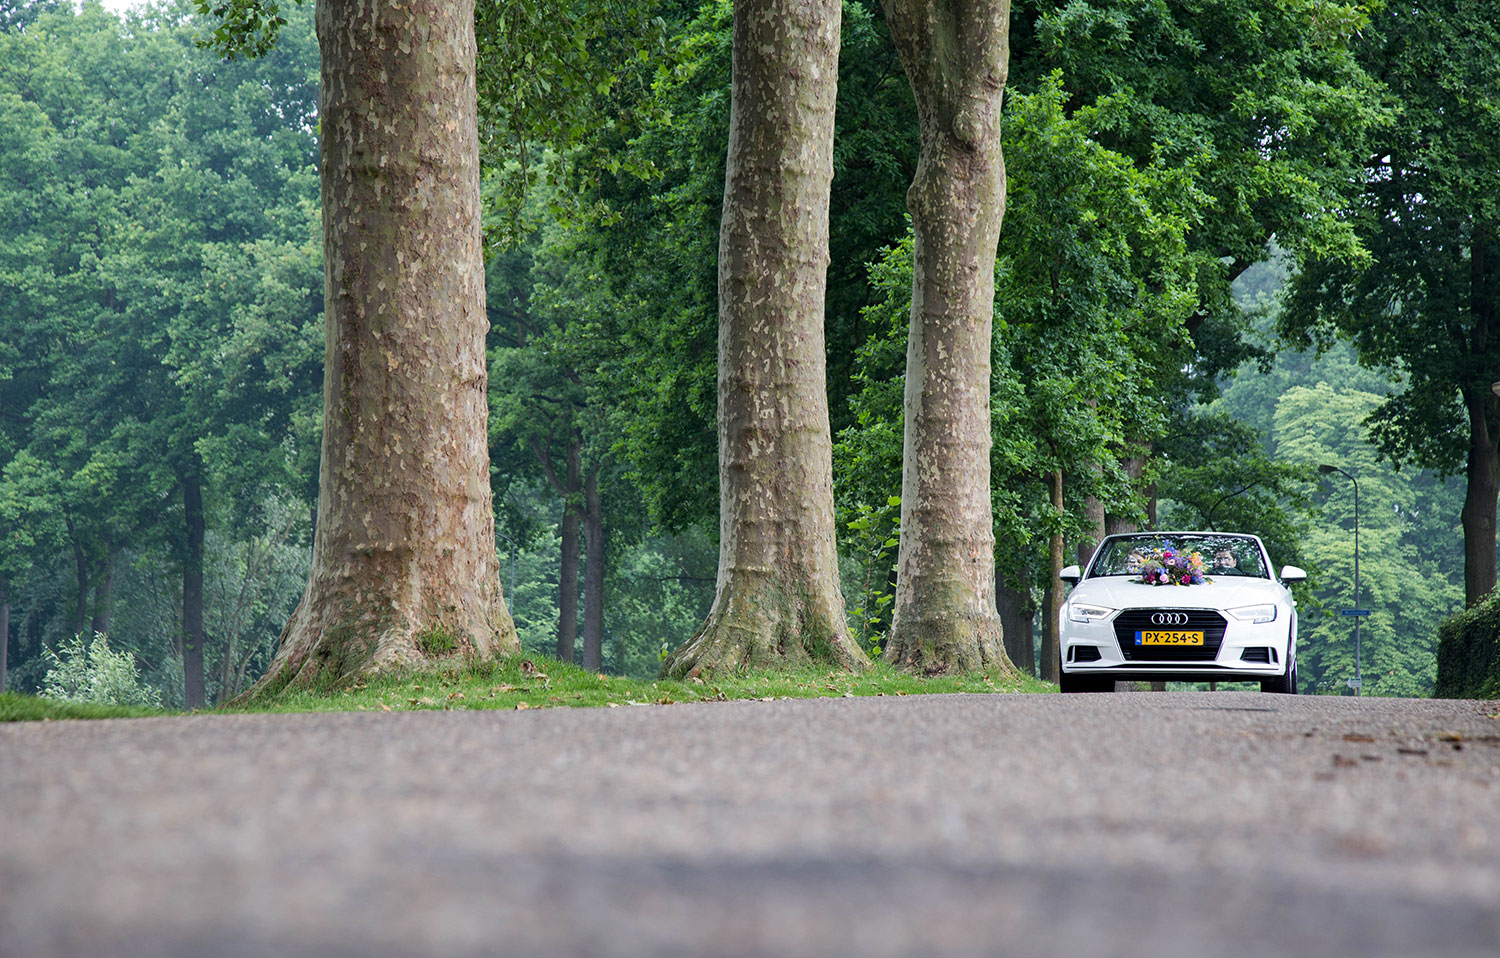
<point x="1070" y="683"/>
<point x="1282" y="684"/>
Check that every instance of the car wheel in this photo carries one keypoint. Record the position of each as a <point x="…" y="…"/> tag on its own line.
<point x="1069" y="683"/>
<point x="1282" y="684"/>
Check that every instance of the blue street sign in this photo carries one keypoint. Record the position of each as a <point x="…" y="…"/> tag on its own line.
<point x="1355" y="612"/>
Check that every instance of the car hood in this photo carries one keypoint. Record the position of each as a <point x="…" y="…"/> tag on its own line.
<point x="1119" y="592"/>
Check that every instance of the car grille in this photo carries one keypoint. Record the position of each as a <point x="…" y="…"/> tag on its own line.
<point x="1131" y="621"/>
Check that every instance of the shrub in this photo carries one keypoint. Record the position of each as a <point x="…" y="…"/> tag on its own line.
<point x="93" y="673"/>
<point x="1468" y="654"/>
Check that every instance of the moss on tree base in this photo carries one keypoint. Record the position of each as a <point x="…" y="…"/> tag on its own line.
<point x="766" y="624"/>
<point x="947" y="644"/>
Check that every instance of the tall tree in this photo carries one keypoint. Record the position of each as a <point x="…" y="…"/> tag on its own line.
<point x="1093" y="256"/>
<point x="777" y="597"/>
<point x="404" y="563"/>
<point x="1427" y="301"/>
<point x="956" y="56"/>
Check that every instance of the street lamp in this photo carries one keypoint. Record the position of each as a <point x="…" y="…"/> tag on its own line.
<point x="510" y="593"/>
<point x="1359" y="679"/>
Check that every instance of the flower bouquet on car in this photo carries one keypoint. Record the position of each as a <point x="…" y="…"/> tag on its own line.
<point x="1167" y="566"/>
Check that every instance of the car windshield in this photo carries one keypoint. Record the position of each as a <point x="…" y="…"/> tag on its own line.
<point x="1223" y="555"/>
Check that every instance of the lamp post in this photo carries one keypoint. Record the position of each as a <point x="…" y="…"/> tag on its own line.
<point x="1359" y="679"/>
<point x="510" y="592"/>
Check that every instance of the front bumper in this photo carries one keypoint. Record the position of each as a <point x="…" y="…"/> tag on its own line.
<point x="1248" y="651"/>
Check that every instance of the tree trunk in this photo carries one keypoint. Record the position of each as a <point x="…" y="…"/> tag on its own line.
<point x="777" y="598"/>
<point x="404" y="566"/>
<point x="104" y="592"/>
<point x="1052" y="613"/>
<point x="80" y="578"/>
<point x="593" y="574"/>
<point x="192" y="597"/>
<point x="1094" y="508"/>
<point x="1016" y="613"/>
<point x="1478" y="514"/>
<point x="956" y="56"/>
<point x="567" y="575"/>
<point x="1135" y="467"/>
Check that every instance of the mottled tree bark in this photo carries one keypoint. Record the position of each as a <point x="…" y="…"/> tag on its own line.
<point x="1052" y="611"/>
<point x="193" y="693"/>
<point x="404" y="566"/>
<point x="777" y="599"/>
<point x="593" y="573"/>
<point x="956" y="55"/>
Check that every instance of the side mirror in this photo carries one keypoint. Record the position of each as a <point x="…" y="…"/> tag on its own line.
<point x="1070" y="574"/>
<point x="1290" y="574"/>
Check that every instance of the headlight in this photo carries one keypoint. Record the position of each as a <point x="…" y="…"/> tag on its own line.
<point x="1082" y="612"/>
<point x="1255" y="613"/>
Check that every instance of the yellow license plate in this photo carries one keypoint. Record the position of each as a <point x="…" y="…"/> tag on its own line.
<point x="1169" y="638"/>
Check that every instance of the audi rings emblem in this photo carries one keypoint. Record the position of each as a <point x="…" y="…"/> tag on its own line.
<point x="1169" y="618"/>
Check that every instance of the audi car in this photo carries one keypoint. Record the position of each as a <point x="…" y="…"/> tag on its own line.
<point x="1179" y="606"/>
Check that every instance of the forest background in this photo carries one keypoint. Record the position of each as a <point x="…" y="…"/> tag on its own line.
<point x="162" y="286"/>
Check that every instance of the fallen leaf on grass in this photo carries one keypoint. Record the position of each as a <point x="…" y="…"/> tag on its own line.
<point x="522" y="706"/>
<point x="528" y="667"/>
<point x="384" y="707"/>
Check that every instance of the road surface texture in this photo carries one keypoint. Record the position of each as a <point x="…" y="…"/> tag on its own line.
<point x="1180" y="824"/>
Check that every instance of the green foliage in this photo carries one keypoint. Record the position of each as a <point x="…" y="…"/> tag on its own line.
<point x="92" y="673"/>
<point x="1266" y="101"/>
<point x="160" y="306"/>
<point x="1422" y="304"/>
<point x="658" y="592"/>
<point x="652" y="261"/>
<point x="1094" y="284"/>
<point x="1407" y="531"/>
<point x="1468" y="653"/>
<point x="558" y="81"/>
<point x="1219" y="475"/>
<point x="242" y="28"/>
<point x="873" y="535"/>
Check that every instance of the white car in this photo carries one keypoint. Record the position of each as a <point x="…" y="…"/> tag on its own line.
<point x="1234" y="620"/>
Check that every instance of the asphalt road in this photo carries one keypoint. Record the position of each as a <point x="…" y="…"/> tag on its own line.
<point x="1179" y="824"/>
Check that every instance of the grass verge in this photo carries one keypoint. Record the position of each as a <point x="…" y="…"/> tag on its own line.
<point x="28" y="708"/>
<point x="529" y="682"/>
